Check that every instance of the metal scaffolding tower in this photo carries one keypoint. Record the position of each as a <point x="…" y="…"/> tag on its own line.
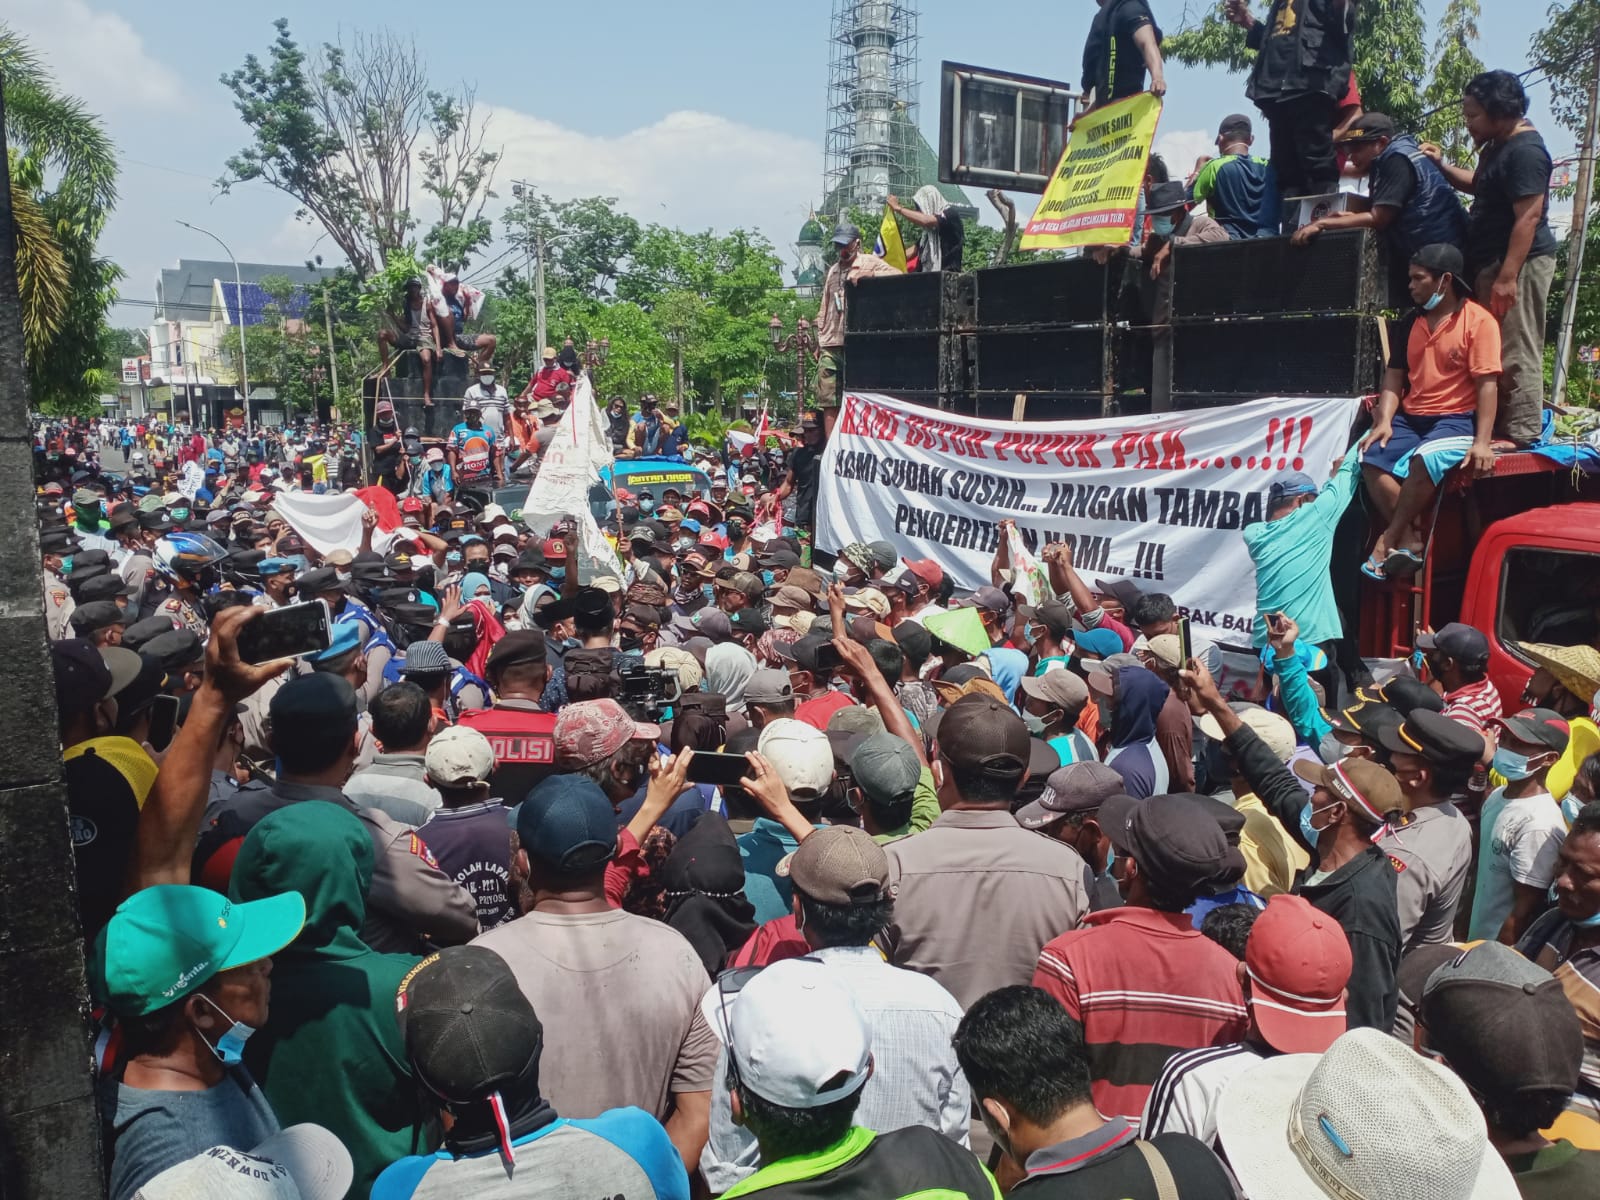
<point x="872" y="142"/>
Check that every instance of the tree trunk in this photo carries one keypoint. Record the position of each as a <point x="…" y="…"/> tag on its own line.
<point x="49" y="1127"/>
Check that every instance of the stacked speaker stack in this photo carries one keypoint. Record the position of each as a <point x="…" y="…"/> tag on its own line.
<point x="1238" y="320"/>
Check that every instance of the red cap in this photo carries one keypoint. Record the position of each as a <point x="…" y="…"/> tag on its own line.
<point x="1298" y="964"/>
<point x="554" y="549"/>
<point x="925" y="569"/>
<point x="592" y="730"/>
<point x="411" y="504"/>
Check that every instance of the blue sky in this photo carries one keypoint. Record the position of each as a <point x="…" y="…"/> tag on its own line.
<point x="692" y="112"/>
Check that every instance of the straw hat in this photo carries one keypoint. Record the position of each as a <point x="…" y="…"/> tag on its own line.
<point x="1576" y="668"/>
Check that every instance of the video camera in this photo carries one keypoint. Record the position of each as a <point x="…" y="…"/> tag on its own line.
<point x="647" y="692"/>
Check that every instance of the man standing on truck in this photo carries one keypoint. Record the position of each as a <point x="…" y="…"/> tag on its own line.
<point x="1510" y="249"/>
<point x="854" y="264"/>
<point x="1437" y="409"/>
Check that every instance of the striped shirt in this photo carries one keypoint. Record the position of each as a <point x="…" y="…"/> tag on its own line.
<point x="1186" y="1097"/>
<point x="1476" y="704"/>
<point x="1549" y="942"/>
<point x="1145" y="985"/>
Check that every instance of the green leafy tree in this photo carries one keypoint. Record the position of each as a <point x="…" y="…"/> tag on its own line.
<point x="1564" y="52"/>
<point x="1389" y="49"/>
<point x="63" y="174"/>
<point x="340" y="134"/>
<point x="1455" y="62"/>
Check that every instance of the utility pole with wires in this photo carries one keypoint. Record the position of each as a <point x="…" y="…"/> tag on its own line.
<point x="533" y="237"/>
<point x="1581" y="203"/>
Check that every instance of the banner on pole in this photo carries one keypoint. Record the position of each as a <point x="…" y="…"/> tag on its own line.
<point x="1157" y="499"/>
<point x="569" y="466"/>
<point x="1093" y="197"/>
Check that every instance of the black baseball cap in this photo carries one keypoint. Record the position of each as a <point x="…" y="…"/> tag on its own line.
<point x="1369" y="127"/>
<point x="1538" y="727"/>
<point x="81" y="675"/>
<point x="1441" y="258"/>
<point x="1503" y="1024"/>
<point x="469" y="1030"/>
<point x="1461" y="642"/>
<point x="1435" y="737"/>
<point x="980" y="735"/>
<point x="1177" y="842"/>
<point x="748" y="621"/>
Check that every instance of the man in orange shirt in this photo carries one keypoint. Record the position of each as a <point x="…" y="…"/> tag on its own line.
<point x="1437" y="409"/>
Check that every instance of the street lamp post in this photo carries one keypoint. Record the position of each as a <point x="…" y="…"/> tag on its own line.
<point x="238" y="289"/>
<point x="803" y="343"/>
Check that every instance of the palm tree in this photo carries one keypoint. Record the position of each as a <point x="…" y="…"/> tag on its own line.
<point x="63" y="175"/>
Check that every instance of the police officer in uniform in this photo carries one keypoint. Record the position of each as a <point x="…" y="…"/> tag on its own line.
<point x="1432" y="758"/>
<point x="55" y="547"/>
<point x="522" y="737"/>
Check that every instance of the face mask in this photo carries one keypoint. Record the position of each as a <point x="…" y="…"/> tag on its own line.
<point x="1163" y="226"/>
<point x="558" y="574"/>
<point x="766" y="578"/>
<point x="647" y="506"/>
<point x="453" y="557"/>
<point x="1570" y="808"/>
<point x="478" y="564"/>
<point x="1589" y="922"/>
<point x="1034" y="723"/>
<point x="630" y="644"/>
<point x="710" y="593"/>
<point x="1512" y="765"/>
<point x="1311" y="832"/>
<point x="230" y="1046"/>
<point x="486" y="380"/>
<point x="66" y="565"/>
<point x="1433" y="301"/>
<point x="1111" y="857"/>
<point x="1331" y="750"/>
<point x="342" y="576"/>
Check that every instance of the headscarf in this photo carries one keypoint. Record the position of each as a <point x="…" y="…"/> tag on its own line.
<point x="1006" y="668"/>
<point x="703" y="881"/>
<point x="930" y="251"/>
<point x="471" y="582"/>
<point x="486" y="624"/>
<point x="728" y="669"/>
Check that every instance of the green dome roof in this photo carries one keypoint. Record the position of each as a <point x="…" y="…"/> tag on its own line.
<point x="811" y="233"/>
<point x="809" y="277"/>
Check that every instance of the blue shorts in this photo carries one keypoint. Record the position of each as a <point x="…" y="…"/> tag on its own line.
<point x="1439" y="443"/>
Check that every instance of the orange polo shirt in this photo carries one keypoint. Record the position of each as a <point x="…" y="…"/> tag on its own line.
<point x="1444" y="364"/>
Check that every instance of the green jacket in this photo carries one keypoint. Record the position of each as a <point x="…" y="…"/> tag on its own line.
<point x="915" y="1163"/>
<point x="331" y="1052"/>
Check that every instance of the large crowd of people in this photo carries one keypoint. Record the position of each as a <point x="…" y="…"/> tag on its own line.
<point x="759" y="866"/>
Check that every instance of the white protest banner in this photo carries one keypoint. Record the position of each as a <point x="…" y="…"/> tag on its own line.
<point x="1157" y="499"/>
<point x="191" y="479"/>
<point x="569" y="467"/>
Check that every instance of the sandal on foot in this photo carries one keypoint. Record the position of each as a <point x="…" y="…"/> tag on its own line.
<point x="1373" y="569"/>
<point x="1402" y="562"/>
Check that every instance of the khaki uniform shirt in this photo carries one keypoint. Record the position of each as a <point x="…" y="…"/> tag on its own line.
<point x="978" y="898"/>
<point x="58" y="607"/>
<point x="1432" y="853"/>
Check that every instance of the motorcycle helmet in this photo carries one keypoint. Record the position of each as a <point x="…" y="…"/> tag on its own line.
<point x="189" y="556"/>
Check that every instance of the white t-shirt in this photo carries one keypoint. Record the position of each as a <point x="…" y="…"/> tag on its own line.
<point x="1518" y="843"/>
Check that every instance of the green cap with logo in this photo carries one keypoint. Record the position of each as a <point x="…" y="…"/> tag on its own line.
<point x="165" y="942"/>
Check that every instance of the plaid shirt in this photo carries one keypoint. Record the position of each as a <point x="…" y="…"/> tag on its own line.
<point x="1476" y="705"/>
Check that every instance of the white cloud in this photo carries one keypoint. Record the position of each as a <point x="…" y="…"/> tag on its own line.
<point x="691" y="170"/>
<point x="1181" y="147"/>
<point x="96" y="56"/>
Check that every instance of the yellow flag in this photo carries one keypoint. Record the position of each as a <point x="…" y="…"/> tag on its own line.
<point x="890" y="248"/>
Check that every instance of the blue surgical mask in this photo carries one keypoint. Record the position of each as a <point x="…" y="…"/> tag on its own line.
<point x="1163" y="226"/>
<point x="230" y="1046"/>
<point x="558" y="574"/>
<point x="1034" y="723"/>
<point x="766" y="578"/>
<point x="66" y="565"/>
<point x="1310" y="831"/>
<point x="1570" y="807"/>
<point x="647" y="505"/>
<point x="1330" y="749"/>
<point x="1111" y="857"/>
<point x="1513" y="766"/>
<point x="453" y="557"/>
<point x="1031" y="632"/>
<point x="709" y="591"/>
<point x="1433" y="301"/>
<point x="1589" y="922"/>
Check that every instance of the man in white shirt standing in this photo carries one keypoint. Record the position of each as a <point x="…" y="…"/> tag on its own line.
<point x="842" y="897"/>
<point x="492" y="398"/>
<point x="1521" y="829"/>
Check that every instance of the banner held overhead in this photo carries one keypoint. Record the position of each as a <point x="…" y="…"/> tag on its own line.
<point x="1157" y="499"/>
<point x="1093" y="197"/>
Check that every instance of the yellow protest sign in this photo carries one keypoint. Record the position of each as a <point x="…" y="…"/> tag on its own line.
<point x="1094" y="192"/>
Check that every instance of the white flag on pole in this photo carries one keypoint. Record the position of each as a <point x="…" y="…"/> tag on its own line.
<point x="569" y="468"/>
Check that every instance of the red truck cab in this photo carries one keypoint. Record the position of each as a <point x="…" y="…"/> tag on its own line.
<point x="1517" y="555"/>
